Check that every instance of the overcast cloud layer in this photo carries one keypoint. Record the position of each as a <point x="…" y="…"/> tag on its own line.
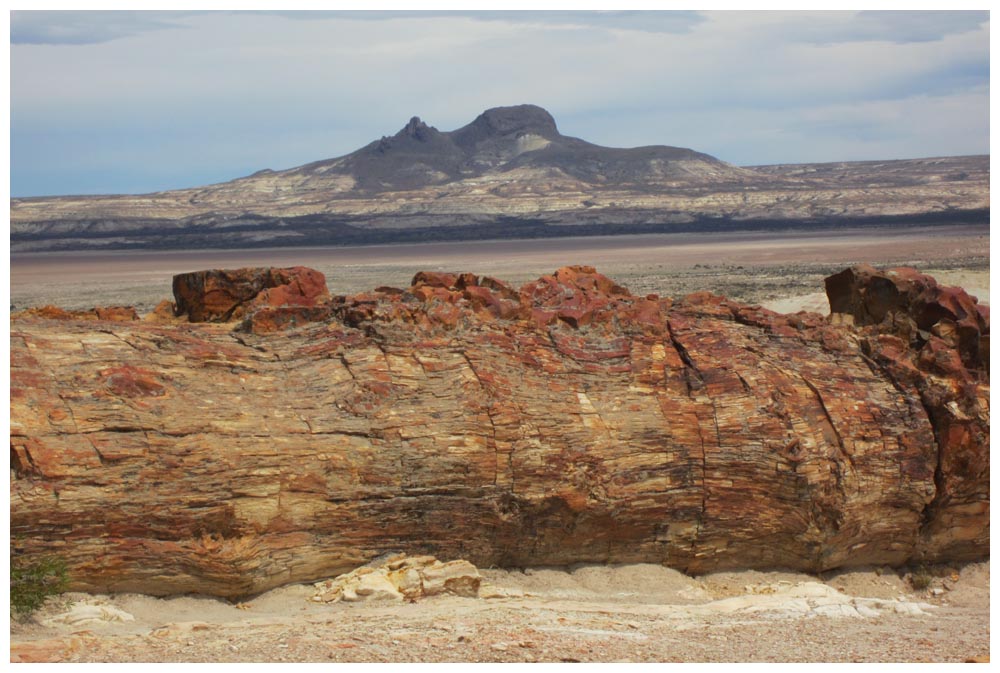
<point x="112" y="102"/>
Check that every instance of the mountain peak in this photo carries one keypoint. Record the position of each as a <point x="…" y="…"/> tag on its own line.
<point x="503" y="139"/>
<point x="495" y="134"/>
<point x="417" y="129"/>
<point x="516" y="119"/>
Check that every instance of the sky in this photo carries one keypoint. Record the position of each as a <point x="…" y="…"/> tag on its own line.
<point x="133" y="102"/>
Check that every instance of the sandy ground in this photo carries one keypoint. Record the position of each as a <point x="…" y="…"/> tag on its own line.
<point x="637" y="613"/>
<point x="752" y="267"/>
<point x="593" y="613"/>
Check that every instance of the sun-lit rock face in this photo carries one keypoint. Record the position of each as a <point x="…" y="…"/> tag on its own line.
<point x="220" y="296"/>
<point x="566" y="421"/>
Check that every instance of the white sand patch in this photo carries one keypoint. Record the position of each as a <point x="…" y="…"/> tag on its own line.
<point x="89" y="612"/>
<point x="976" y="283"/>
<point x="530" y="142"/>
<point x="804" y="600"/>
<point x="814" y="302"/>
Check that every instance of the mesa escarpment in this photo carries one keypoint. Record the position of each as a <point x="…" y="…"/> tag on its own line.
<point x="566" y="421"/>
<point x="509" y="173"/>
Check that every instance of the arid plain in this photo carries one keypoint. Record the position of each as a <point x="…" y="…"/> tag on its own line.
<point x="752" y="267"/>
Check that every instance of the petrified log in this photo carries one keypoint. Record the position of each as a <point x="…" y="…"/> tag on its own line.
<point x="566" y="422"/>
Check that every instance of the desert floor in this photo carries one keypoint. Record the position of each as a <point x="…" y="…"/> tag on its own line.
<point x="635" y="613"/>
<point x="754" y="267"/>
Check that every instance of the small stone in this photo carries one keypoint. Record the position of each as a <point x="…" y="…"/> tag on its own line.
<point x="376" y="587"/>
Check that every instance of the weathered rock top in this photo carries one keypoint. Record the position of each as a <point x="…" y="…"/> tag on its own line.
<point x="562" y="422"/>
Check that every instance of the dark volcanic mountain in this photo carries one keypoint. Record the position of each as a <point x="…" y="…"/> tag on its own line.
<point x="507" y="173"/>
<point x="502" y="140"/>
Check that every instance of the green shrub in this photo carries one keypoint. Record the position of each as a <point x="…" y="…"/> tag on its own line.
<point x="921" y="578"/>
<point x="33" y="581"/>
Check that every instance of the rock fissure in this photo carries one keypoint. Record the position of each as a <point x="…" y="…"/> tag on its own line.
<point x="690" y="368"/>
<point x="120" y="338"/>
<point x="242" y="340"/>
<point x="829" y="421"/>
<point x="69" y="410"/>
<point x="487" y="404"/>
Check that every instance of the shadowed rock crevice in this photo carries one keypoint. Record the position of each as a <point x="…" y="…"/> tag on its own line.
<point x="567" y="421"/>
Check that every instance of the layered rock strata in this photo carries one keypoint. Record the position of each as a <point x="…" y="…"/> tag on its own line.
<point x="568" y="421"/>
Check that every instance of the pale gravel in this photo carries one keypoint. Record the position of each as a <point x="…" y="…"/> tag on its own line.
<point x="591" y="613"/>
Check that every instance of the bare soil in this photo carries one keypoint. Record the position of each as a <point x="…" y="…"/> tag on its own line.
<point x="638" y="613"/>
<point x="752" y="267"/>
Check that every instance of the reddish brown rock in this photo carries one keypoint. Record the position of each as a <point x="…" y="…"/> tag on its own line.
<point x="700" y="433"/>
<point x="221" y="296"/>
<point x="116" y="313"/>
<point x="277" y="318"/>
<point x="449" y="281"/>
<point x="107" y="313"/>
<point x="164" y="313"/>
<point x="910" y="304"/>
<point x="933" y="343"/>
<point x="576" y="295"/>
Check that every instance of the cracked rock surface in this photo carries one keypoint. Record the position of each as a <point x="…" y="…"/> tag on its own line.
<point x="569" y="421"/>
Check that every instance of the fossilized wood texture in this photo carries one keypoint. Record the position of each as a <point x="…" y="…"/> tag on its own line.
<point x="566" y="422"/>
<point x="228" y="294"/>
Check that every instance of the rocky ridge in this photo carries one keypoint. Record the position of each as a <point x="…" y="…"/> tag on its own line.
<point x="508" y="173"/>
<point x="566" y="421"/>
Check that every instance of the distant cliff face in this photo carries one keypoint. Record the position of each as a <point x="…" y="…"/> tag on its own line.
<point x="568" y="421"/>
<point x="508" y="172"/>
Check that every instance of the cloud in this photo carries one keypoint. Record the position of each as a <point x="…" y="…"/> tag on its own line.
<point x="97" y="27"/>
<point x="913" y="26"/>
<point x="86" y="27"/>
<point x="183" y="99"/>
<point x="646" y="21"/>
<point x="840" y="27"/>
